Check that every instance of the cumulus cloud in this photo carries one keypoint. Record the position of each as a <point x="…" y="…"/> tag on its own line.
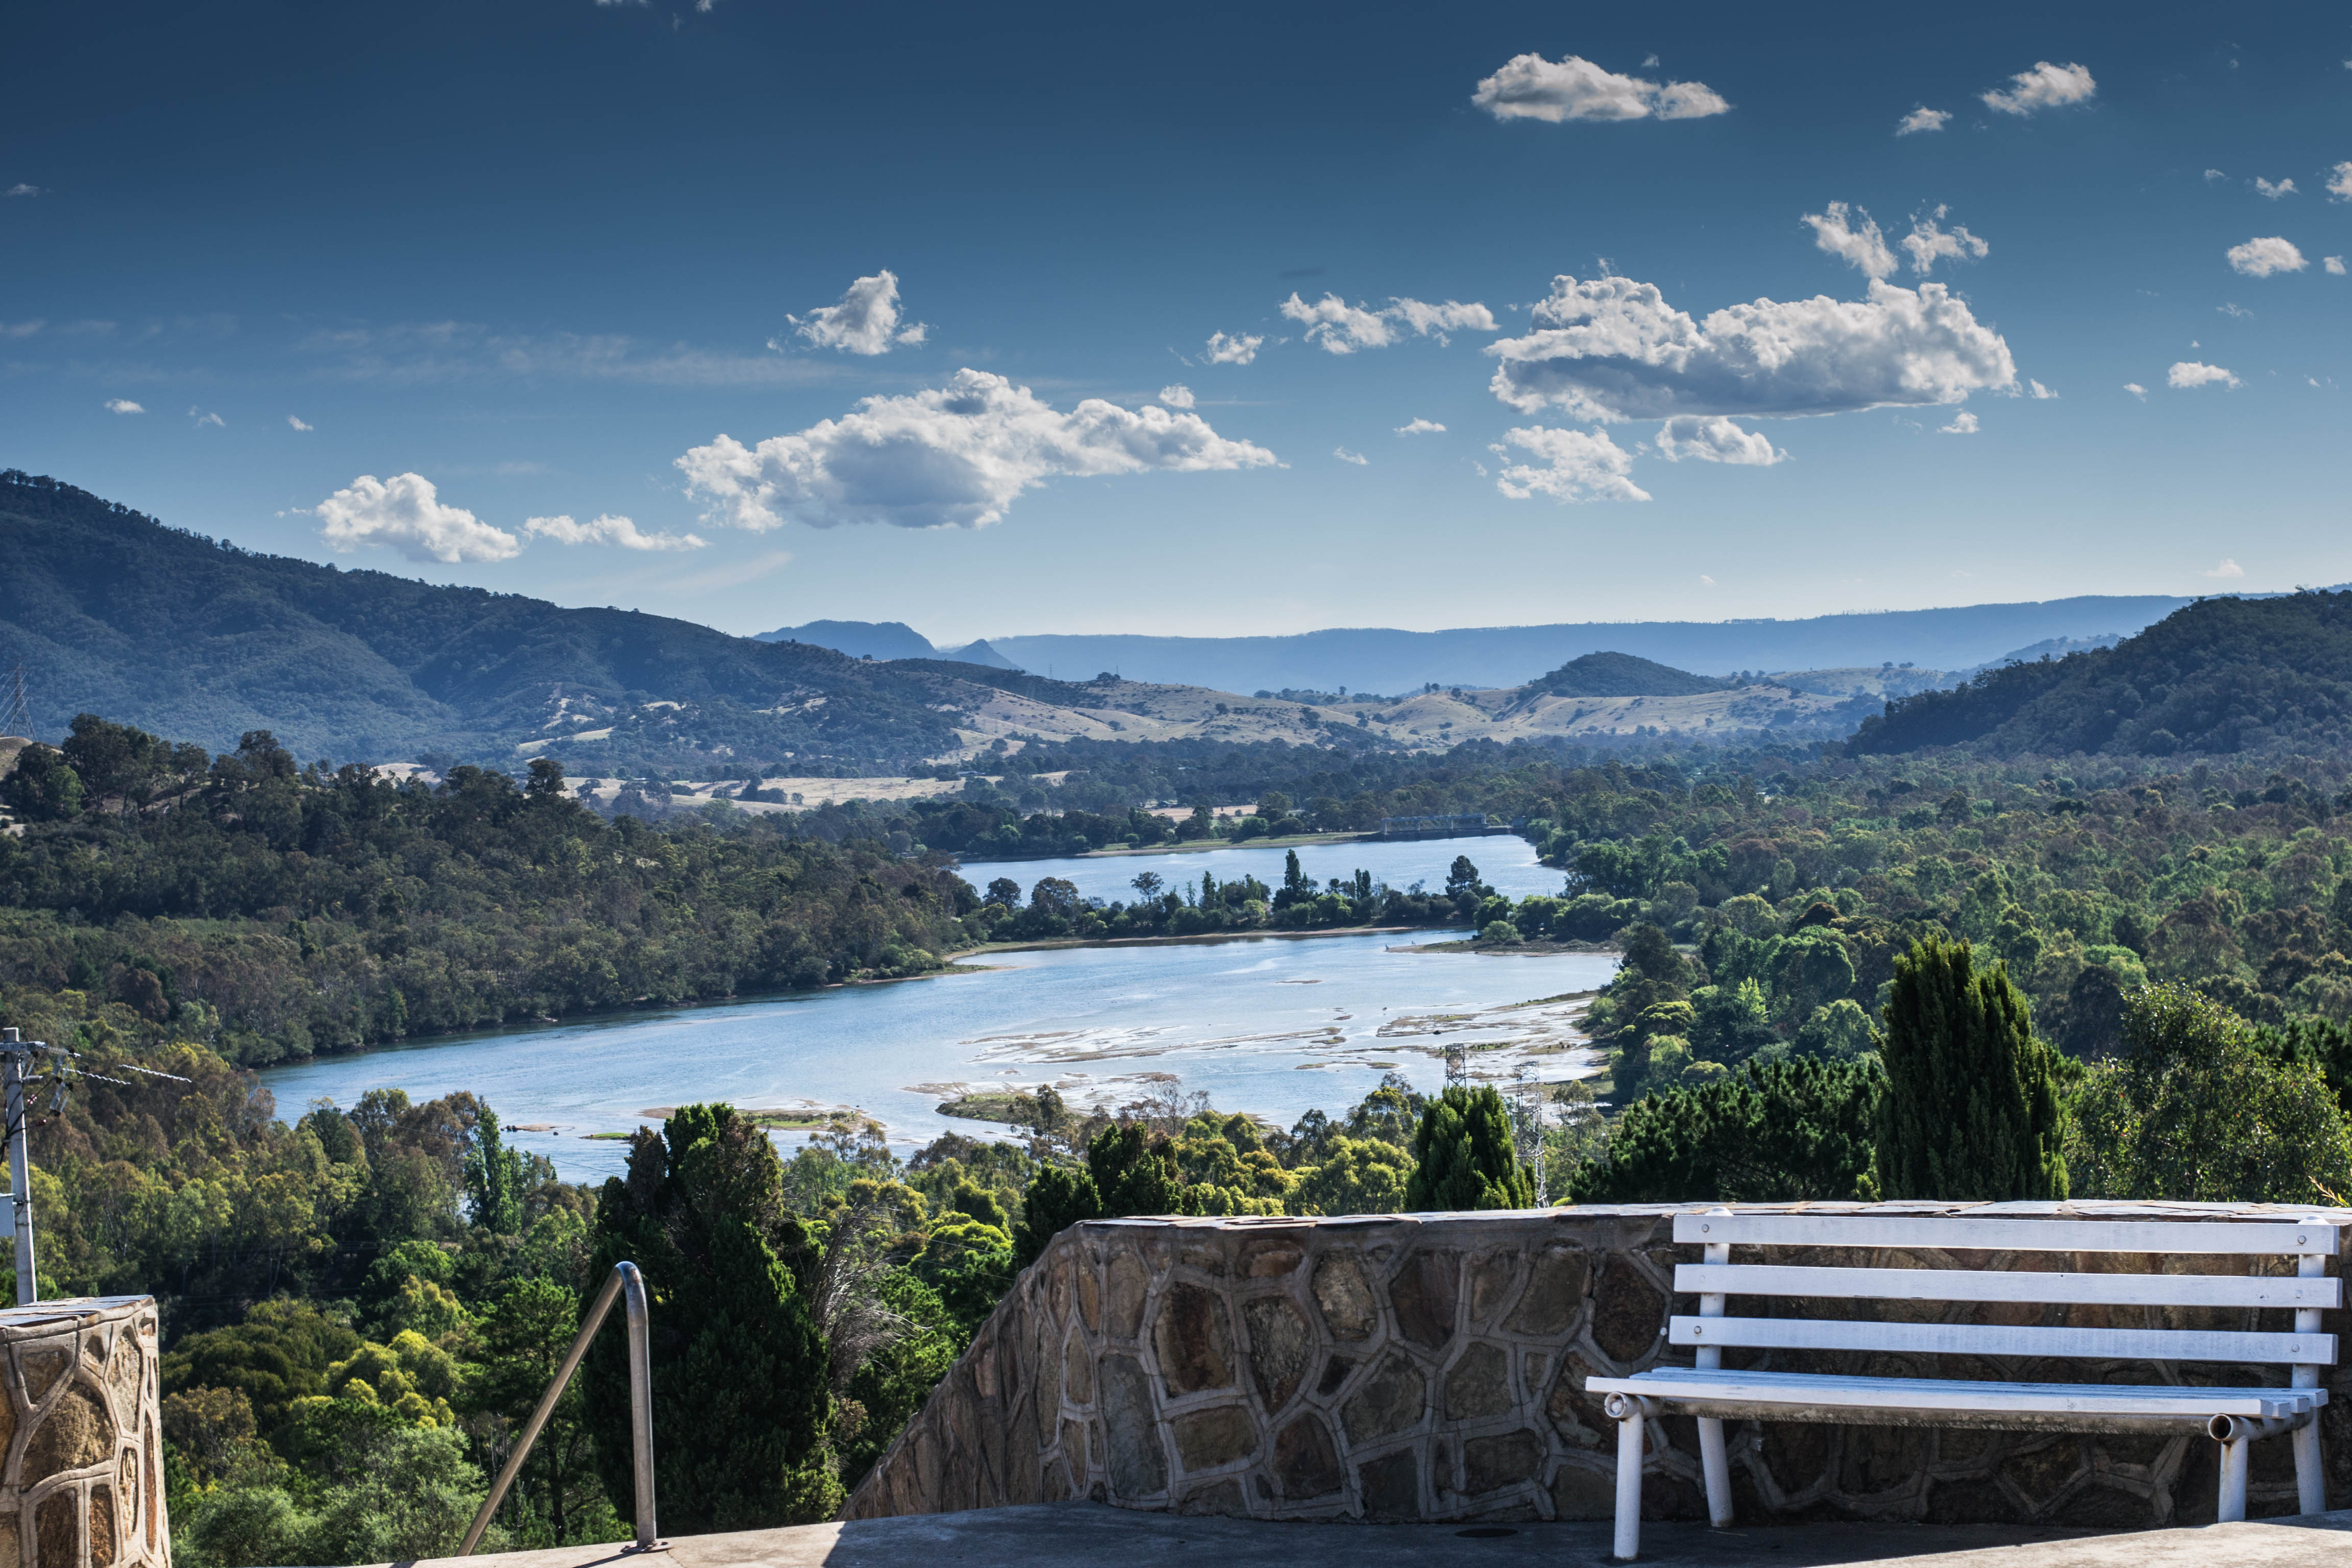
<point x="406" y="513"/>
<point x="2136" y="390"/>
<point x="122" y="406"/>
<point x="607" y="529"/>
<point x="956" y="456"/>
<point x="1238" y="349"/>
<point x="2228" y="568"/>
<point x="1611" y="348"/>
<point x="1836" y="232"/>
<point x="1577" y="466"/>
<point x="1178" y="396"/>
<point x="2036" y="390"/>
<point x="2284" y="188"/>
<point x="1340" y="328"/>
<point x="2264" y="257"/>
<point x="1422" y="427"/>
<point x="1345" y="455"/>
<point x="2339" y="183"/>
<point x="2044" y="87"/>
<point x="2190" y="372"/>
<point x="21" y="189"/>
<point x="2212" y="175"/>
<point x="1963" y="424"/>
<point x="296" y="423"/>
<point x="1930" y="243"/>
<point x="865" y="322"/>
<point x="203" y="419"/>
<point x="1533" y="88"/>
<point x="2333" y="264"/>
<point x="1716" y="441"/>
<point x="1923" y="119"/>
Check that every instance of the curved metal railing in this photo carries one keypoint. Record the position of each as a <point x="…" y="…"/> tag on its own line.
<point x="623" y="1281"/>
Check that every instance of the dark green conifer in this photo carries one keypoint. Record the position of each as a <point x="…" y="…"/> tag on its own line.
<point x="1971" y="1109"/>
<point x="1465" y="1156"/>
<point x="741" y="1408"/>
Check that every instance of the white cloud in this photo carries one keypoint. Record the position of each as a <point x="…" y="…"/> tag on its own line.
<point x="1928" y="243"/>
<point x="2190" y="372"/>
<point x="2234" y="310"/>
<point x="1340" y="327"/>
<point x="2284" y="188"/>
<point x="1706" y="579"/>
<point x="1178" y="396"/>
<point x="1923" y="119"/>
<point x="2333" y="264"/>
<point x="2214" y="174"/>
<point x="296" y="423"/>
<point x="203" y="419"/>
<point x="122" y="406"/>
<point x="1963" y="424"/>
<point x="1235" y="350"/>
<point x="2036" y="390"/>
<point x="1533" y="88"/>
<point x="1345" y="455"/>
<point x="2226" y="569"/>
<point x="22" y="189"/>
<point x="2264" y="258"/>
<point x="1422" y="427"/>
<point x="1579" y="466"/>
<point x="2136" y="390"/>
<point x="607" y="529"/>
<point x="405" y="513"/>
<point x="1716" y="441"/>
<point x="865" y="322"/>
<point x="2339" y="182"/>
<point x="953" y="456"/>
<point x="22" y="329"/>
<point x="1836" y="232"/>
<point x="2044" y="87"/>
<point x="1611" y="348"/>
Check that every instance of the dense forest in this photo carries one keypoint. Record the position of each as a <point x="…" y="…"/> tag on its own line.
<point x="271" y="911"/>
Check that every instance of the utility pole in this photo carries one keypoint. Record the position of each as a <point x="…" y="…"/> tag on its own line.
<point x="15" y="1054"/>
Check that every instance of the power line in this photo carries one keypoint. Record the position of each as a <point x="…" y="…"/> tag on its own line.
<point x="19" y="718"/>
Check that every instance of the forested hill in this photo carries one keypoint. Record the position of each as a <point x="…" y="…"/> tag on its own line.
<point x="112" y="612"/>
<point x="2220" y="675"/>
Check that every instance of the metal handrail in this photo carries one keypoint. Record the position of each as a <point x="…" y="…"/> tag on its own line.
<point x="624" y="1280"/>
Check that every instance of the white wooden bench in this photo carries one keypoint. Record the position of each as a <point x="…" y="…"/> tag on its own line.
<point x="2232" y="1416"/>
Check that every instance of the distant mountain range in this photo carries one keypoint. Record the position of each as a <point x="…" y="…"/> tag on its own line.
<point x="1378" y="660"/>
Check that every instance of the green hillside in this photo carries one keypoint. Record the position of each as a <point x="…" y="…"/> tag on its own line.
<point x="1623" y="675"/>
<point x="2221" y="676"/>
<point x="112" y="612"/>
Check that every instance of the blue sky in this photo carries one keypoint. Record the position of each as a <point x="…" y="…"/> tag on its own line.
<point x="386" y="284"/>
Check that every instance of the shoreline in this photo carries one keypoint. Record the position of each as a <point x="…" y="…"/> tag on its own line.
<point x="1190" y="938"/>
<point x="1190" y="846"/>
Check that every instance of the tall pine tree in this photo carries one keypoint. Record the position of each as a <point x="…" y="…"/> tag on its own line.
<point x="1971" y="1109"/>
<point x="1465" y="1156"/>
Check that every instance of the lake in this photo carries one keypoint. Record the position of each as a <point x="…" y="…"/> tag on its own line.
<point x="1272" y="1025"/>
<point x="1506" y="863"/>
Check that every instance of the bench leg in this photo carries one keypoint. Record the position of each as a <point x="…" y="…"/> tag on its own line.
<point x="2310" y="1481"/>
<point x="2234" y="1456"/>
<point x="1717" y="1469"/>
<point x="1629" y="1483"/>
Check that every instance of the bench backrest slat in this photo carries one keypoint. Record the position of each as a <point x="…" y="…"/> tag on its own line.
<point x="2002" y="1339"/>
<point x="2000" y="1285"/>
<point x="2161" y="1236"/>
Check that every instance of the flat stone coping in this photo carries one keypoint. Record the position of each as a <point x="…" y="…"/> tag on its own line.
<point x="1090" y="1535"/>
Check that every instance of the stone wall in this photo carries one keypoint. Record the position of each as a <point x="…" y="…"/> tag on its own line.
<point x="1432" y="1367"/>
<point x="82" y="1486"/>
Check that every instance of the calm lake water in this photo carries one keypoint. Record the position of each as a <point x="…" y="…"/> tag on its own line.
<point x="1273" y="1026"/>
<point x="1506" y="863"/>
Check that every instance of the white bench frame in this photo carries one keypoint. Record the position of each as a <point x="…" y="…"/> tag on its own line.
<point x="2232" y="1416"/>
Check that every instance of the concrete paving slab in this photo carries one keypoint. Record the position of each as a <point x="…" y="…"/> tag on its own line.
<point x="1089" y="1535"/>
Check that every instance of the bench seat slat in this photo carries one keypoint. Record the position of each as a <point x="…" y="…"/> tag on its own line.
<point x="2000" y="1339"/>
<point x="1927" y="1395"/>
<point x="2168" y="1236"/>
<point x="1997" y="1285"/>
